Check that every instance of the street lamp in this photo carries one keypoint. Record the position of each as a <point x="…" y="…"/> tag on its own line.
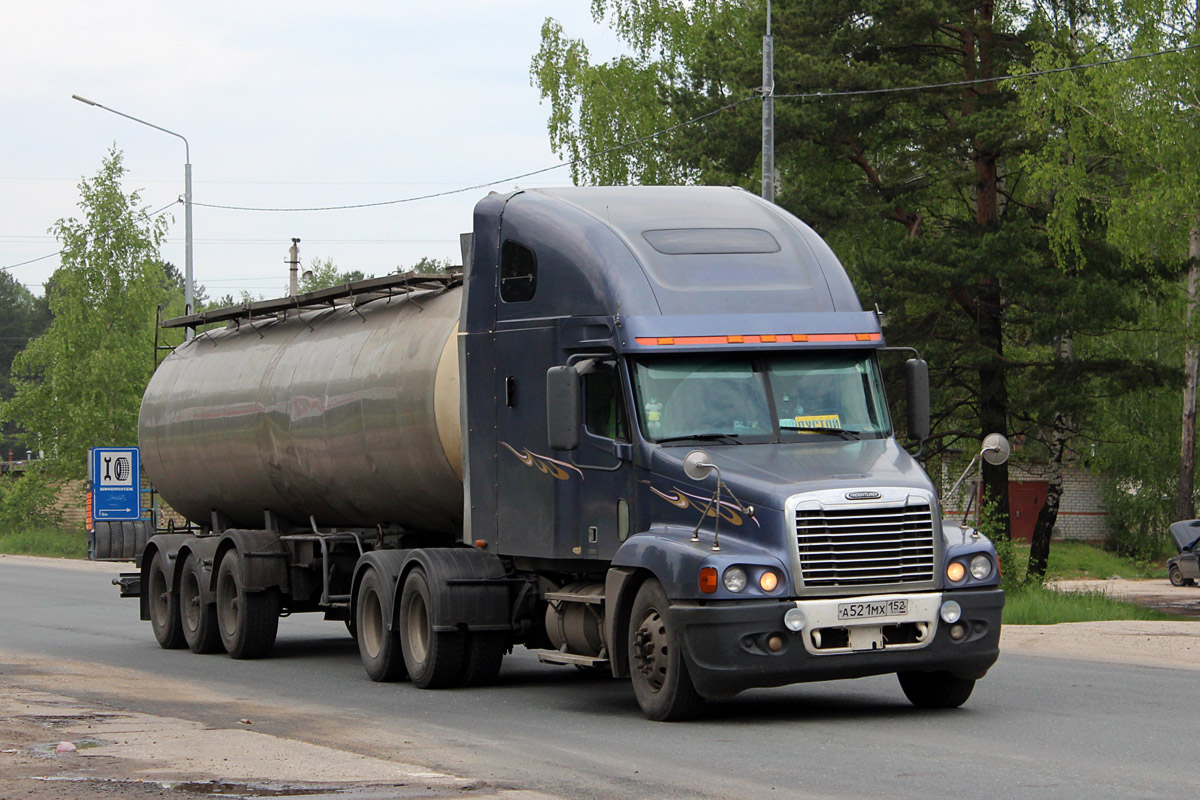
<point x="187" y="205"/>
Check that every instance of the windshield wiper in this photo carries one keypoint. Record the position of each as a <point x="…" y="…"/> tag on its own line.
<point x="845" y="434"/>
<point x="731" y="438"/>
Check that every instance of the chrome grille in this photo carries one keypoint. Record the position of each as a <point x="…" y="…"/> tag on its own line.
<point x="860" y="546"/>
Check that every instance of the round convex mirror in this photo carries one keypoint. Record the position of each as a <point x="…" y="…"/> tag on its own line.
<point x="697" y="465"/>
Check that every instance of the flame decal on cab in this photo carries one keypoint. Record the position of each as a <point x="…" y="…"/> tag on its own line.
<point x="730" y="512"/>
<point x="552" y="467"/>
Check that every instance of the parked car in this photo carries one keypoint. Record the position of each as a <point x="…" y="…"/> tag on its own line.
<point x="1184" y="569"/>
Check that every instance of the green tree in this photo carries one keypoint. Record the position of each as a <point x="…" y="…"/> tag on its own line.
<point x="323" y="274"/>
<point x="924" y="193"/>
<point x="1120" y="168"/>
<point x="80" y="383"/>
<point x="23" y="317"/>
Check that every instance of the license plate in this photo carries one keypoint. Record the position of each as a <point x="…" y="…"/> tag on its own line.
<point x="880" y="608"/>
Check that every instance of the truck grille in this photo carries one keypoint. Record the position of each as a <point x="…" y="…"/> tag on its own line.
<point x="860" y="546"/>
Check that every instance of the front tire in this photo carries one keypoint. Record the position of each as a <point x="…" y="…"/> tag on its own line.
<point x="935" y="689"/>
<point x="198" y="617"/>
<point x="434" y="659"/>
<point x="660" y="677"/>
<point x="248" y="621"/>
<point x="164" y="605"/>
<point x="1175" y="576"/>
<point x="378" y="643"/>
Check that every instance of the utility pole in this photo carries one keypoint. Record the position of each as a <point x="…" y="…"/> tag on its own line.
<point x="768" y="113"/>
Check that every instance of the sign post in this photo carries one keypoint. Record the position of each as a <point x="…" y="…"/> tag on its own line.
<point x="116" y="478"/>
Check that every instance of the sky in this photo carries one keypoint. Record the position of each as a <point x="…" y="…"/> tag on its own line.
<point x="283" y="105"/>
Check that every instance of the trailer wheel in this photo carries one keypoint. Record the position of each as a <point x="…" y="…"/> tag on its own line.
<point x="103" y="541"/>
<point x="660" y="678"/>
<point x="198" y="617"/>
<point x="935" y="689"/>
<point x="481" y="661"/>
<point x="164" y="605"/>
<point x="434" y="659"/>
<point x="378" y="643"/>
<point x="247" y="621"/>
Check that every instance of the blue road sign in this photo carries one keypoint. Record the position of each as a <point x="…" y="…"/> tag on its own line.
<point x="116" y="477"/>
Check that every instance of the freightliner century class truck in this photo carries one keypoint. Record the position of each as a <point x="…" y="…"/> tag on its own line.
<point x="644" y="431"/>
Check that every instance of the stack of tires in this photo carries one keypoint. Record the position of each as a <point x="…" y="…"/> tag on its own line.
<point x="119" y="541"/>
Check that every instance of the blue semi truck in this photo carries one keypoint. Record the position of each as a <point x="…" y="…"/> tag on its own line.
<point x="643" y="431"/>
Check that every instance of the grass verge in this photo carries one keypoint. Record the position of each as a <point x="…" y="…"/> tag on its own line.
<point x="1083" y="560"/>
<point x="52" y="542"/>
<point x="1037" y="605"/>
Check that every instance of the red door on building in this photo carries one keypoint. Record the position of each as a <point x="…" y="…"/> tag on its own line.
<point x="1025" y="501"/>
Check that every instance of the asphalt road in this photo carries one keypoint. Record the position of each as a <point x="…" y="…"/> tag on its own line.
<point x="1035" y="727"/>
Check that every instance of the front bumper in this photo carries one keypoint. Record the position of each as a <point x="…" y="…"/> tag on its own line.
<point x="727" y="647"/>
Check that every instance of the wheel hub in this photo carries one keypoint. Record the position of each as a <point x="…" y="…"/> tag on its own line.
<point x="650" y="653"/>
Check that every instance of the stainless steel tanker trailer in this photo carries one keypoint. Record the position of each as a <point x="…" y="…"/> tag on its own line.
<point x="644" y="431"/>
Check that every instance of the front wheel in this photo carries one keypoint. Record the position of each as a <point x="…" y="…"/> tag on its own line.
<point x="1176" y="576"/>
<point x="935" y="689"/>
<point x="248" y="621"/>
<point x="660" y="678"/>
<point x="164" y="605"/>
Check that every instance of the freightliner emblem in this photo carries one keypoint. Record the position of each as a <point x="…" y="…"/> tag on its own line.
<point x="863" y="495"/>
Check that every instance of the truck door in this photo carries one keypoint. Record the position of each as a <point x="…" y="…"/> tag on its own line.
<point x="604" y="506"/>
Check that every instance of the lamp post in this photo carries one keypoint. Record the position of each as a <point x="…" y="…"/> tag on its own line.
<point x="187" y="204"/>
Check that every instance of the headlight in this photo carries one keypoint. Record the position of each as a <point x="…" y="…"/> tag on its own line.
<point x="955" y="571"/>
<point x="735" y="579"/>
<point x="768" y="581"/>
<point x="981" y="567"/>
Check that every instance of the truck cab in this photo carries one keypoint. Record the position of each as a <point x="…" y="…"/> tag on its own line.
<point x="673" y="401"/>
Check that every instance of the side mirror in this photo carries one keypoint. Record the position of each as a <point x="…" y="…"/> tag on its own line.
<point x="697" y="465"/>
<point x="562" y="408"/>
<point x="916" y="374"/>
<point x="996" y="449"/>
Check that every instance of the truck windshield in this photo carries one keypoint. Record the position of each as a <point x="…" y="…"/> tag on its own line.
<point x="750" y="398"/>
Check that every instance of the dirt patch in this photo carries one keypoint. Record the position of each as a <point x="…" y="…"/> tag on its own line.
<point x="55" y="745"/>
<point x="1152" y="593"/>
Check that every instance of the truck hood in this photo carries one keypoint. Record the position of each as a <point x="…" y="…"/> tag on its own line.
<point x="767" y="474"/>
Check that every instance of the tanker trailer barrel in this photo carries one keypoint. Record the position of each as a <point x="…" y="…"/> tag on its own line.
<point x="346" y="414"/>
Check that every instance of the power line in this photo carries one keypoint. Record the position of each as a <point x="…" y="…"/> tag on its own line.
<point x="977" y="81"/>
<point x="694" y="120"/>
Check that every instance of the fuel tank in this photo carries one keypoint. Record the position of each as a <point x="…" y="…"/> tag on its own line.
<point x="346" y="414"/>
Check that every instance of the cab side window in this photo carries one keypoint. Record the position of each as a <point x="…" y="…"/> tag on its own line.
<point x="518" y="273"/>
<point x="603" y="404"/>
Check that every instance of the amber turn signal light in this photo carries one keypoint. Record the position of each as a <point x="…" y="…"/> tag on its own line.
<point x="768" y="581"/>
<point x="708" y="580"/>
<point x="955" y="571"/>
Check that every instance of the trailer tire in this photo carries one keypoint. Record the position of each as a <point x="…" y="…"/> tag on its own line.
<point x="248" y="621"/>
<point x="103" y="541"/>
<point x="484" y="654"/>
<point x="378" y="643"/>
<point x="164" y="605"/>
<point x="434" y="659"/>
<point x="659" y="674"/>
<point x="199" y="619"/>
<point x="128" y="540"/>
<point x="935" y="689"/>
<point x="145" y="529"/>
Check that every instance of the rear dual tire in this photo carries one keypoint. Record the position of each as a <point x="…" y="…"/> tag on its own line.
<point x="199" y="619"/>
<point x="247" y="621"/>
